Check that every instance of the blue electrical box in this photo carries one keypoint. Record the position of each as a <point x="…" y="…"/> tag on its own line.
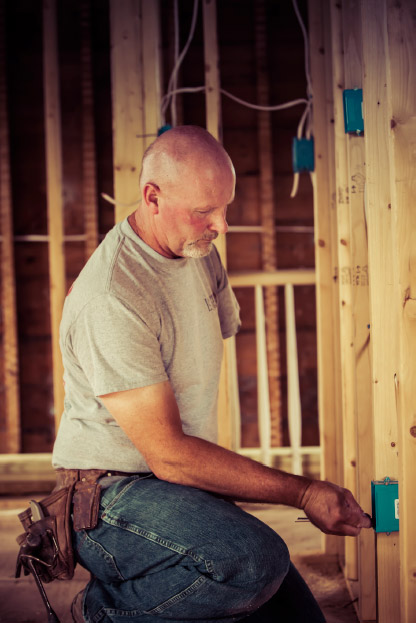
<point x="385" y="505"/>
<point x="303" y="158"/>
<point x="163" y="129"/>
<point x="353" y="111"/>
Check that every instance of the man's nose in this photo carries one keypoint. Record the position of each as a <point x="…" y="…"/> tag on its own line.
<point x="219" y="223"/>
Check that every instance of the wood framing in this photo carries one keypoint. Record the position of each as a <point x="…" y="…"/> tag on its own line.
<point x="375" y="184"/>
<point x="128" y="103"/>
<point x="345" y="278"/>
<point x="11" y="436"/>
<point x="300" y="277"/>
<point x="383" y="313"/>
<point x="401" y="81"/>
<point x="136" y="88"/>
<point x="352" y="45"/>
<point x="89" y="182"/>
<point x="151" y="69"/>
<point x="54" y="194"/>
<point x="228" y="401"/>
<point x="323" y="179"/>
<point x="293" y="390"/>
<point x="263" y="390"/>
<point x="268" y="237"/>
<point x="212" y="85"/>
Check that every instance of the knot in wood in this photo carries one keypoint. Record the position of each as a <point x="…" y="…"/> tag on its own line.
<point x="410" y="307"/>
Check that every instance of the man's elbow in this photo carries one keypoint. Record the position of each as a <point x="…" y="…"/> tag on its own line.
<point x="165" y="469"/>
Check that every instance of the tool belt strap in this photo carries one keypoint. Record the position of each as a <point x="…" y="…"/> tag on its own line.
<point x="86" y="493"/>
<point x="68" y="477"/>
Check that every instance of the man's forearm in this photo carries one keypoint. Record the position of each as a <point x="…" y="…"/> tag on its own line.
<point x="204" y="465"/>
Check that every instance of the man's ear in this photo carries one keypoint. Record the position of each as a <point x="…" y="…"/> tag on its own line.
<point x="151" y="196"/>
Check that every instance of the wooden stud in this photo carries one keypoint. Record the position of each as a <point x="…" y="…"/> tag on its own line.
<point x="339" y="544"/>
<point x="54" y="194"/>
<point x="345" y="283"/>
<point x="89" y="181"/>
<point x="323" y="180"/>
<point x="228" y="405"/>
<point x="151" y="69"/>
<point x="212" y="84"/>
<point x="268" y="237"/>
<point x="128" y="104"/>
<point x="383" y="314"/>
<point x="352" y="40"/>
<point x="11" y="435"/>
<point x="263" y="397"/>
<point x="401" y="120"/>
<point x="293" y="391"/>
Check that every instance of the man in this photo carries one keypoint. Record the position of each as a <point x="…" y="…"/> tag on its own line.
<point x="141" y="339"/>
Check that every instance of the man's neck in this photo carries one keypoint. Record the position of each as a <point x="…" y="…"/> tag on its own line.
<point x="134" y="222"/>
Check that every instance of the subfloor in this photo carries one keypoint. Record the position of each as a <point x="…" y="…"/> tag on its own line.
<point x="20" y="601"/>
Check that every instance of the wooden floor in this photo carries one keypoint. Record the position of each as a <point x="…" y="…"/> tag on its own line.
<point x="20" y="601"/>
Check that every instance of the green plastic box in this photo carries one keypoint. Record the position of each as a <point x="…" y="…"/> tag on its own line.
<point x="385" y="505"/>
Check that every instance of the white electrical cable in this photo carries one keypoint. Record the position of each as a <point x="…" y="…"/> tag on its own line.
<point x="173" y="111"/>
<point x="303" y="118"/>
<point x="119" y="203"/>
<point x="266" y="108"/>
<point x="306" y="47"/>
<point x="307" y="113"/>
<point x="179" y="61"/>
<point x="166" y="97"/>
<point x="295" y="185"/>
<point x="237" y="99"/>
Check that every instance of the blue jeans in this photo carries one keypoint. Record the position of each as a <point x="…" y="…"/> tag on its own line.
<point x="164" y="552"/>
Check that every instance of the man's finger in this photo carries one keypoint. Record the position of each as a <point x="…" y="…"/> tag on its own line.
<point x="366" y="521"/>
<point x="348" y="530"/>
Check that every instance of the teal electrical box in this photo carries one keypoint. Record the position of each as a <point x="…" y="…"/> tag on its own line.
<point x="303" y="158"/>
<point x="385" y="505"/>
<point x="353" y="111"/>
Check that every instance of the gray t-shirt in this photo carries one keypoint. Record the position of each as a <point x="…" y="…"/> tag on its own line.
<point x="134" y="318"/>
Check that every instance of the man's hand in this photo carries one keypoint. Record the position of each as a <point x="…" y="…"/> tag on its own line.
<point x="333" y="509"/>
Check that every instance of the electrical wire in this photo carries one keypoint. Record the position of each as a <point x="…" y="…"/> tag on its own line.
<point x="178" y="63"/>
<point x="173" y="110"/>
<point x="265" y="108"/>
<point x="306" y="48"/>
<point x="165" y="98"/>
<point x="120" y="203"/>
<point x="307" y="113"/>
<point x="275" y="107"/>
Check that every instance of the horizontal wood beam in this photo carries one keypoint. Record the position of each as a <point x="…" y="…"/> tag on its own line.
<point x="305" y="277"/>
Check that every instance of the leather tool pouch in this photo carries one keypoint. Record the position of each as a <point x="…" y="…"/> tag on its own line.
<point x="86" y="504"/>
<point x="47" y="540"/>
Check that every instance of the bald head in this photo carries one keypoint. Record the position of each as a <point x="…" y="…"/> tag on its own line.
<point x="187" y="151"/>
<point x="187" y="181"/>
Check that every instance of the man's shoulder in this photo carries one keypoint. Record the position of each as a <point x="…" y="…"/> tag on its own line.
<point x="115" y="274"/>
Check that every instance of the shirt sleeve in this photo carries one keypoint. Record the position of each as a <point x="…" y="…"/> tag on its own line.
<point x="116" y="347"/>
<point x="228" y="307"/>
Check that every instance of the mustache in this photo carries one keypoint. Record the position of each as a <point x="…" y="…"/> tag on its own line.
<point x="210" y="237"/>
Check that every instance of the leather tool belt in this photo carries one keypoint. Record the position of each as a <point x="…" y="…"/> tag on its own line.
<point x="46" y="544"/>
